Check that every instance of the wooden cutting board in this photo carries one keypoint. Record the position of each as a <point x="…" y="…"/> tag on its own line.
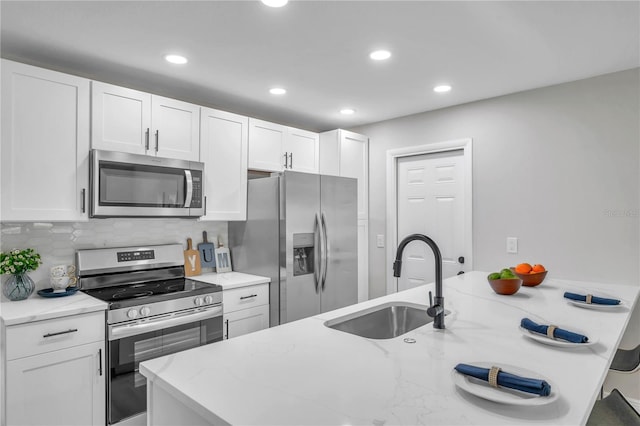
<point x="207" y="255"/>
<point x="191" y="260"/>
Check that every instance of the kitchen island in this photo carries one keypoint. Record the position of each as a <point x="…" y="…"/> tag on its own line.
<point x="306" y="373"/>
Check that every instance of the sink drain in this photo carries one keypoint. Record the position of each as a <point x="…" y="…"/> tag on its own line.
<point x="409" y="340"/>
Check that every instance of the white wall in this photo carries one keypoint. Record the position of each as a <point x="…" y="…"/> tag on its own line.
<point x="557" y="167"/>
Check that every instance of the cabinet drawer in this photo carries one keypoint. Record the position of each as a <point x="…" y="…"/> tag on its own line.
<point x="51" y="335"/>
<point x="245" y="297"/>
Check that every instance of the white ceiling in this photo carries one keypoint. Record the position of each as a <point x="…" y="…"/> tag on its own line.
<point x="318" y="50"/>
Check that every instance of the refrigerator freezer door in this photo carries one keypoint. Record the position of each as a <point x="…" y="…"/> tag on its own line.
<point x="255" y="243"/>
<point x="300" y="197"/>
<point x="339" y="210"/>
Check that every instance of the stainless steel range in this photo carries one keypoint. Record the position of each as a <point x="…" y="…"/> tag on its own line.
<point x="153" y="311"/>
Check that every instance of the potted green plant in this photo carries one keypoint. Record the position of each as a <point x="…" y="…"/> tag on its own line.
<point x="16" y="263"/>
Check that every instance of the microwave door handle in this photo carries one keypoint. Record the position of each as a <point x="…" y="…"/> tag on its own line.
<point x="189" y="191"/>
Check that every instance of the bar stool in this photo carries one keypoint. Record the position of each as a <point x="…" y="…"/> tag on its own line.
<point x="626" y="360"/>
<point x="613" y="410"/>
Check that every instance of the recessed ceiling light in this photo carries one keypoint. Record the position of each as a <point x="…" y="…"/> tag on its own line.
<point x="275" y="3"/>
<point x="277" y="91"/>
<point x="176" y="59"/>
<point x="442" y="88"/>
<point x="380" y="55"/>
<point x="347" y="111"/>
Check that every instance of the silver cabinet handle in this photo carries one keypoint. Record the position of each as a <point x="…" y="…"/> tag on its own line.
<point x="285" y="160"/>
<point x="100" y="361"/>
<point x="291" y="160"/>
<point x="227" y="324"/>
<point x="84" y="200"/>
<point x="248" y="297"/>
<point x="157" y="139"/>
<point x="71" y="330"/>
<point x="146" y="140"/>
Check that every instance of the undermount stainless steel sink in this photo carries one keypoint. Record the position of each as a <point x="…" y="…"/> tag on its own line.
<point x="384" y="321"/>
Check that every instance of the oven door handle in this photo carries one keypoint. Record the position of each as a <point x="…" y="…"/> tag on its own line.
<point x="164" y="321"/>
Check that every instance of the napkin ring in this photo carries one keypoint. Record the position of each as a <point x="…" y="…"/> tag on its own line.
<point x="493" y="376"/>
<point x="550" y="330"/>
<point x="588" y="299"/>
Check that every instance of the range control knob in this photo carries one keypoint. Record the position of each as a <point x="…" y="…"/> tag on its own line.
<point x="208" y="299"/>
<point x="132" y="313"/>
<point x="198" y="301"/>
<point x="145" y="310"/>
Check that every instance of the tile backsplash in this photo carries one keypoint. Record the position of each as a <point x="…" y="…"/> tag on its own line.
<point x="57" y="242"/>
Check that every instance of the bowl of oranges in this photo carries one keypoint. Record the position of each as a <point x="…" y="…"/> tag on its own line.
<point x="531" y="276"/>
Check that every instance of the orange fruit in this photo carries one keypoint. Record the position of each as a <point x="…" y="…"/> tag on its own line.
<point x="538" y="268"/>
<point x="523" y="268"/>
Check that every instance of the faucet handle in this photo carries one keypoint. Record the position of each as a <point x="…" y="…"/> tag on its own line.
<point x="430" y="298"/>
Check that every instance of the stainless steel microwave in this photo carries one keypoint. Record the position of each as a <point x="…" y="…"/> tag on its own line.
<point x="133" y="185"/>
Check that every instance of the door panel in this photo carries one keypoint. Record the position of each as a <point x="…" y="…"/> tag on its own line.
<point x="301" y="202"/>
<point x="431" y="202"/>
<point x="339" y="208"/>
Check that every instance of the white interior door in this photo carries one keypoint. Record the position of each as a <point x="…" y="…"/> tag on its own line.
<point x="430" y="201"/>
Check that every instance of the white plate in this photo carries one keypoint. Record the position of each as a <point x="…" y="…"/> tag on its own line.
<point x="543" y="338"/>
<point x="596" y="306"/>
<point x="483" y="390"/>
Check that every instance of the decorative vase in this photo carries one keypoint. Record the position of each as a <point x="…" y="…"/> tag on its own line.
<point x="18" y="287"/>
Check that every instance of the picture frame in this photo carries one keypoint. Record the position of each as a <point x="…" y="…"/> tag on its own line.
<point x="223" y="259"/>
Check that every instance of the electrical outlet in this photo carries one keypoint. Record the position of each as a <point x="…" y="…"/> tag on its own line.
<point x="380" y="241"/>
<point x="512" y="245"/>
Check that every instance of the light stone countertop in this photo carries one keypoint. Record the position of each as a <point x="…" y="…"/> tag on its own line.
<point x="38" y="308"/>
<point x="306" y="373"/>
<point x="230" y="280"/>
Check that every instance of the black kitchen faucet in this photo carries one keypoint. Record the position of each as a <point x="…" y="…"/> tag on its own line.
<point x="436" y="310"/>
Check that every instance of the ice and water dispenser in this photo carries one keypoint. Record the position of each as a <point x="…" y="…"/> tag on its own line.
<point x="303" y="249"/>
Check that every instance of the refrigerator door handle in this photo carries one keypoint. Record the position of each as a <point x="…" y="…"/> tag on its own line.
<point x="317" y="261"/>
<point x="325" y="250"/>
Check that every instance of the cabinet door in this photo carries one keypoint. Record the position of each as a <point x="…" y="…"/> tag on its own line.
<point x="245" y="321"/>
<point x="120" y="118"/>
<point x="223" y="150"/>
<point x="65" y="387"/>
<point x="45" y="144"/>
<point x="175" y="129"/>
<point x="265" y="146"/>
<point x="303" y="150"/>
<point x="354" y="163"/>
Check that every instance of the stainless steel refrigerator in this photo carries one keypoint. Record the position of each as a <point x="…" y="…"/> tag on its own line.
<point x="301" y="231"/>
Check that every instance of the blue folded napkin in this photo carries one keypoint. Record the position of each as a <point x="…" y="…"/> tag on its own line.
<point x="507" y="380"/>
<point x="594" y="299"/>
<point x="558" y="333"/>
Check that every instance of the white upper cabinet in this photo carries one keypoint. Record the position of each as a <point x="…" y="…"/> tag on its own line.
<point x="274" y="148"/>
<point x="223" y="150"/>
<point x="303" y="150"/>
<point x="265" y="145"/>
<point x="45" y="144"/>
<point x="128" y="120"/>
<point x="345" y="153"/>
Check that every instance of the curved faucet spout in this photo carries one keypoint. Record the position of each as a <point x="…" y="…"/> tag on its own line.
<point x="437" y="309"/>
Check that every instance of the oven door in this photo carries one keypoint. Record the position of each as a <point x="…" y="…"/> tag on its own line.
<point x="131" y="343"/>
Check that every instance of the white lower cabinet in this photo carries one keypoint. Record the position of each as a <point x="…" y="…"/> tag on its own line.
<point x="246" y="309"/>
<point x="55" y="371"/>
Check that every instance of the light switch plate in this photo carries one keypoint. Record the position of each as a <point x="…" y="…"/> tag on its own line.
<point x="380" y="241"/>
<point x="512" y="245"/>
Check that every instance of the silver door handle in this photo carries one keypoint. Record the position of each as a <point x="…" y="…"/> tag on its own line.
<point x="157" y="139"/>
<point x="325" y="251"/>
<point x="291" y="160"/>
<point x="285" y="160"/>
<point x="189" y="185"/>
<point x="146" y="140"/>
<point x="84" y="200"/>
<point x="317" y="244"/>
